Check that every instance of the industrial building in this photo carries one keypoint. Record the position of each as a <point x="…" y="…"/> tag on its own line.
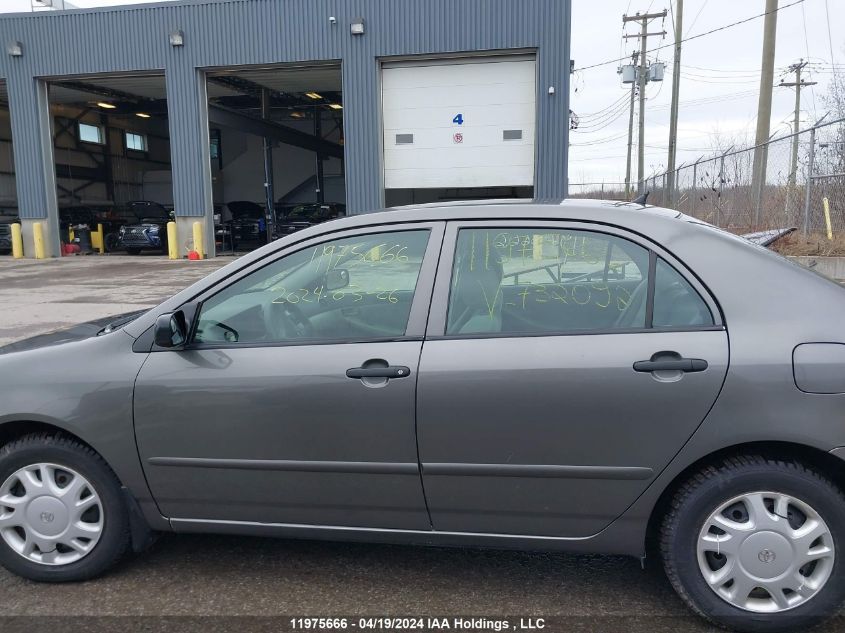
<point x="355" y="104"/>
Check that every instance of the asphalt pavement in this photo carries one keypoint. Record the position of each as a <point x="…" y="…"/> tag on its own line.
<point x="38" y="296"/>
<point x="187" y="575"/>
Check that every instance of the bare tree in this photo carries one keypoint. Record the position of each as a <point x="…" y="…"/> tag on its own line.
<point x="831" y="155"/>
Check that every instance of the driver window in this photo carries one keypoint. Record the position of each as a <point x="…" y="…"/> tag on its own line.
<point x="353" y="288"/>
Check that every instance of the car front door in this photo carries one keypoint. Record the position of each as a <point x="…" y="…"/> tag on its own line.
<point x="564" y="366"/>
<point x="293" y="401"/>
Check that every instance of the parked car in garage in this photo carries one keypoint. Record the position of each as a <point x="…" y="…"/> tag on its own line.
<point x="304" y="215"/>
<point x="148" y="231"/>
<point x="248" y="223"/>
<point x="6" y="222"/>
<point x="586" y="376"/>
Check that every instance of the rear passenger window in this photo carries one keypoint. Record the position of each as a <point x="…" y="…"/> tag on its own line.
<point x="546" y="280"/>
<point x="676" y="303"/>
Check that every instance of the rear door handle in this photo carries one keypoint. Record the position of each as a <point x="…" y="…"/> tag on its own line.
<point x="686" y="365"/>
<point x="392" y="371"/>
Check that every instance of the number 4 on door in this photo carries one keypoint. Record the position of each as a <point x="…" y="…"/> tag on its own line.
<point x="459" y="119"/>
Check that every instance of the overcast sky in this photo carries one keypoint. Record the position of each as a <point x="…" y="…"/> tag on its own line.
<point x="719" y="83"/>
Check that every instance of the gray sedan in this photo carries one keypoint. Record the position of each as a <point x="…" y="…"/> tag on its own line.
<point x="582" y="376"/>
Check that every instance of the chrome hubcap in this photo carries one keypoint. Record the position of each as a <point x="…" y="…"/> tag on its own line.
<point x="765" y="552"/>
<point x="50" y="514"/>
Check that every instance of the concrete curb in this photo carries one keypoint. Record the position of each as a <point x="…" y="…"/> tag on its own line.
<point x="833" y="267"/>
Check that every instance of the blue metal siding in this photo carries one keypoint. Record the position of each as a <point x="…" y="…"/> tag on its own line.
<point x="248" y="32"/>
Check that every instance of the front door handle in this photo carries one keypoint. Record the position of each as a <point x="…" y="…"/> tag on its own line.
<point x="391" y="371"/>
<point x="686" y="365"/>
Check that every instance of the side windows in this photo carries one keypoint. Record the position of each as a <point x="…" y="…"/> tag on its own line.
<point x="541" y="280"/>
<point x="546" y="280"/>
<point x="676" y="303"/>
<point x="352" y="288"/>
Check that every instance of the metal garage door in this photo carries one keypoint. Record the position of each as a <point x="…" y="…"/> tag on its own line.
<point x="459" y="123"/>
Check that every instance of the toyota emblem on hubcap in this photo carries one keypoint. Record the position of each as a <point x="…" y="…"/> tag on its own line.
<point x="766" y="556"/>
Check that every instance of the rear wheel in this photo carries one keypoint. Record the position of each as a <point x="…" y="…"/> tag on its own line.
<point x="62" y="516"/>
<point x="751" y="543"/>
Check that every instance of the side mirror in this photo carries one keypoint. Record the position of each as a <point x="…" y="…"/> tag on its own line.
<point x="336" y="279"/>
<point x="171" y="330"/>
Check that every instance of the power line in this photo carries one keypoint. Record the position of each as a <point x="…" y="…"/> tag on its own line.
<point x="749" y="71"/>
<point x="712" y="99"/>
<point x="716" y="75"/>
<point x="695" y="37"/>
<point x="697" y="15"/>
<point x="712" y="80"/>
<point x="599" y="125"/>
<point x="593" y="115"/>
<point x="601" y="141"/>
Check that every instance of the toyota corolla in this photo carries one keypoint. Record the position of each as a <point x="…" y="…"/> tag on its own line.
<point x="584" y="376"/>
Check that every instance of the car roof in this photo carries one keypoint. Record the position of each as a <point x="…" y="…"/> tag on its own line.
<point x="620" y="213"/>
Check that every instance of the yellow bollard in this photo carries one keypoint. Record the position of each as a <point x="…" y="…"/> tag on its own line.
<point x="827" y="222"/>
<point x="198" y="243"/>
<point x="98" y="239"/>
<point x="172" y="242"/>
<point x="17" y="241"/>
<point x="38" y="238"/>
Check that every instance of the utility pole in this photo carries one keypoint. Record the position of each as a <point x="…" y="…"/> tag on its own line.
<point x="797" y="84"/>
<point x="643" y="19"/>
<point x="641" y="139"/>
<point x="764" y="107"/>
<point x="676" y="87"/>
<point x="630" y="131"/>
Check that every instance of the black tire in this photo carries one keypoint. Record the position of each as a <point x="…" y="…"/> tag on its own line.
<point x="112" y="242"/>
<point x="716" y="484"/>
<point x="133" y="251"/>
<point x="114" y="541"/>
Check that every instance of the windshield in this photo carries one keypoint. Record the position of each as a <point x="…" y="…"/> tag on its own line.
<point x="248" y="210"/>
<point x="305" y="211"/>
<point x="148" y="211"/>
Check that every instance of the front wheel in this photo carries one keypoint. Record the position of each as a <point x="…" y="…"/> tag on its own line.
<point x="112" y="242"/>
<point x="751" y="543"/>
<point x="62" y="515"/>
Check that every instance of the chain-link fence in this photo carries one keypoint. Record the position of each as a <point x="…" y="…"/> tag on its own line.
<point x="598" y="190"/>
<point x="805" y="174"/>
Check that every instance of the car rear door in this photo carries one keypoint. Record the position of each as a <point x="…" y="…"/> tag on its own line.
<point x="565" y="365"/>
<point x="294" y="402"/>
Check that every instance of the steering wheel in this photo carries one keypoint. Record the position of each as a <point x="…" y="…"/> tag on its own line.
<point x="285" y="321"/>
